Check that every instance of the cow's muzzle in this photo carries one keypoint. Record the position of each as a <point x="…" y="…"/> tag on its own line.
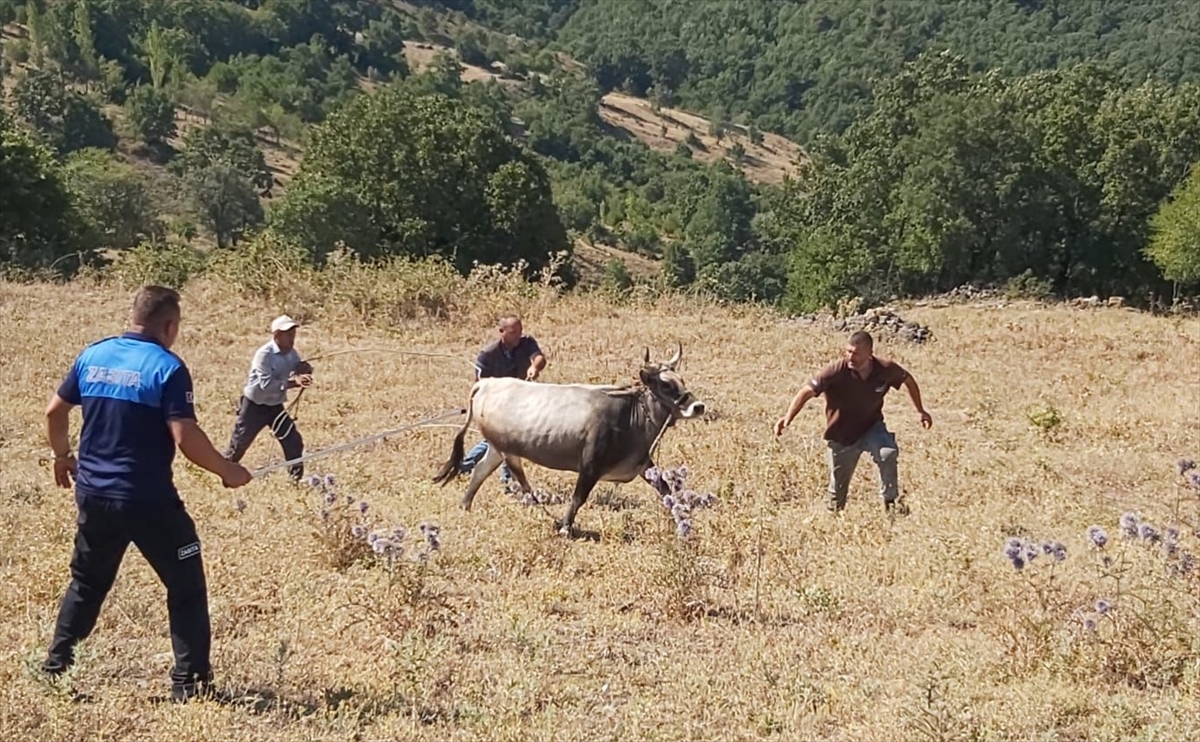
<point x="688" y="406"/>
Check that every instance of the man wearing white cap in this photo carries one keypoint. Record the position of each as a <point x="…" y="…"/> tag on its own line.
<point x="275" y="369"/>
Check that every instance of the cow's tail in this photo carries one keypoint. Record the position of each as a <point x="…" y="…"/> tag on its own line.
<point x="450" y="469"/>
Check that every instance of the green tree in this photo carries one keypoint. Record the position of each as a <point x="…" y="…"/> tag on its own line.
<point x="85" y="42"/>
<point x="225" y="202"/>
<point x="205" y="146"/>
<point x="111" y="197"/>
<point x="67" y="120"/>
<point x="318" y="212"/>
<point x="1175" y="246"/>
<point x="152" y="114"/>
<point x="38" y="227"/>
<point x="437" y="177"/>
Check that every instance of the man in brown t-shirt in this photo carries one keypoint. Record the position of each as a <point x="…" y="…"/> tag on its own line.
<point x="854" y="388"/>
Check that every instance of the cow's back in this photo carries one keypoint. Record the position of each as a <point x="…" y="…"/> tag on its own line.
<point x="545" y="423"/>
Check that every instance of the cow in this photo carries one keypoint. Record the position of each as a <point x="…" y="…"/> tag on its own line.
<point x="605" y="433"/>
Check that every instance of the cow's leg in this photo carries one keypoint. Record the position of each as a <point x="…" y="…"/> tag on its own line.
<point x="517" y="466"/>
<point x="583" y="487"/>
<point x="490" y="462"/>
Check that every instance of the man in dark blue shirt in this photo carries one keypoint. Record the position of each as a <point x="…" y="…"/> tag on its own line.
<point x="513" y="354"/>
<point x="137" y="405"/>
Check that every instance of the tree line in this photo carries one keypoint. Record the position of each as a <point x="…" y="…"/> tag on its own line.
<point x="1067" y="180"/>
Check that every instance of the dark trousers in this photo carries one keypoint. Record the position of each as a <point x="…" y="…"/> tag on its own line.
<point x="166" y="536"/>
<point x="252" y="418"/>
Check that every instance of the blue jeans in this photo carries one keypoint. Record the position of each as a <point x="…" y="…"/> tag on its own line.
<point x="475" y="455"/>
<point x="881" y="444"/>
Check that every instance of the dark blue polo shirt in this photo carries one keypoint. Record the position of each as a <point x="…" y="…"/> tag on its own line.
<point x="128" y="386"/>
<point x="497" y="360"/>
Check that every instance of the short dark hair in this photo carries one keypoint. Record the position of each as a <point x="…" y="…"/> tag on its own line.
<point x="154" y="306"/>
<point x="862" y="338"/>
<point x="507" y="319"/>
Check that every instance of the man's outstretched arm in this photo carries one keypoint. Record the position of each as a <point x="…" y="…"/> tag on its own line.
<point x="914" y="393"/>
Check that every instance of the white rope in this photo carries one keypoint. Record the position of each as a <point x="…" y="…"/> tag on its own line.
<point x="369" y="439"/>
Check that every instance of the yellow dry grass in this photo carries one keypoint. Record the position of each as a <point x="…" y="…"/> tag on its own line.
<point x="663" y="129"/>
<point x="811" y="627"/>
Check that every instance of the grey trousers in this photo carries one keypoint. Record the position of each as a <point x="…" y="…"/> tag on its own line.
<point x="843" y="460"/>
<point x="251" y="419"/>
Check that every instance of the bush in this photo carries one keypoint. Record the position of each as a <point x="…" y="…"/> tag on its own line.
<point x="111" y="197"/>
<point x="165" y="264"/>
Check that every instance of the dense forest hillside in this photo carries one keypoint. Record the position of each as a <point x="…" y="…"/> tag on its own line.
<point x="1003" y="143"/>
<point x="803" y="68"/>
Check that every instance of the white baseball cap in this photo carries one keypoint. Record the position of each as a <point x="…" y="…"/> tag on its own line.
<point x="283" y="323"/>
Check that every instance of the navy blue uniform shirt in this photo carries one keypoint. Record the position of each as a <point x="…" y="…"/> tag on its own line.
<point x="129" y="387"/>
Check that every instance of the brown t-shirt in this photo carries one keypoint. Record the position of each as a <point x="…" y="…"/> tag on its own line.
<point x="852" y="404"/>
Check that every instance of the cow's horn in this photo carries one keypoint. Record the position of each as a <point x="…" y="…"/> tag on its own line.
<point x="646" y="357"/>
<point x="675" y="358"/>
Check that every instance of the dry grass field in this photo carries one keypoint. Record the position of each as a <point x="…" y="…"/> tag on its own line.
<point x="774" y="620"/>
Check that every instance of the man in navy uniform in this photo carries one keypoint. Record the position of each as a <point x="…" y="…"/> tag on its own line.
<point x="137" y="405"/>
<point x="513" y="354"/>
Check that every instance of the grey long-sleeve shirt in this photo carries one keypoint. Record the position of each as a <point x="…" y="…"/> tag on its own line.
<point x="270" y="372"/>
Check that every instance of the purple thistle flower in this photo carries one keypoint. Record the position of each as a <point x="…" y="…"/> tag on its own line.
<point x="1058" y="551"/>
<point x="330" y="498"/>
<point x="1103" y="606"/>
<point x="684" y="528"/>
<point x="372" y="538"/>
<point x="398" y="533"/>
<point x="239" y="505"/>
<point x="657" y="479"/>
<point x="1129" y="525"/>
<point x="349" y="499"/>
<point x="668" y="502"/>
<point x="1031" y="552"/>
<point x="362" y="507"/>
<point x="380" y="545"/>
<point x="330" y="481"/>
<point x="1017" y="562"/>
<point x="1194" y="480"/>
<point x="1089" y="624"/>
<point x="1148" y="533"/>
<point x="358" y="531"/>
<point x="324" y="514"/>
<point x="431" y="536"/>
<point x="1098" y="536"/>
<point x="315" y="481"/>
<point x="1012" y="548"/>
<point x="1183" y="466"/>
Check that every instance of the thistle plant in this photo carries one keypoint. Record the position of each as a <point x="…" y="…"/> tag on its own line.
<point x="348" y="535"/>
<point x="341" y="523"/>
<point x="1139" y="629"/>
<point x="683" y="573"/>
<point x="1132" y="617"/>
<point x="677" y="499"/>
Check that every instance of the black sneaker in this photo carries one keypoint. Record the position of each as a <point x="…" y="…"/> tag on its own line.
<point x="895" y="507"/>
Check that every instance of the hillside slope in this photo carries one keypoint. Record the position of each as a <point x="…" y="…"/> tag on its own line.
<point x="661" y="128"/>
